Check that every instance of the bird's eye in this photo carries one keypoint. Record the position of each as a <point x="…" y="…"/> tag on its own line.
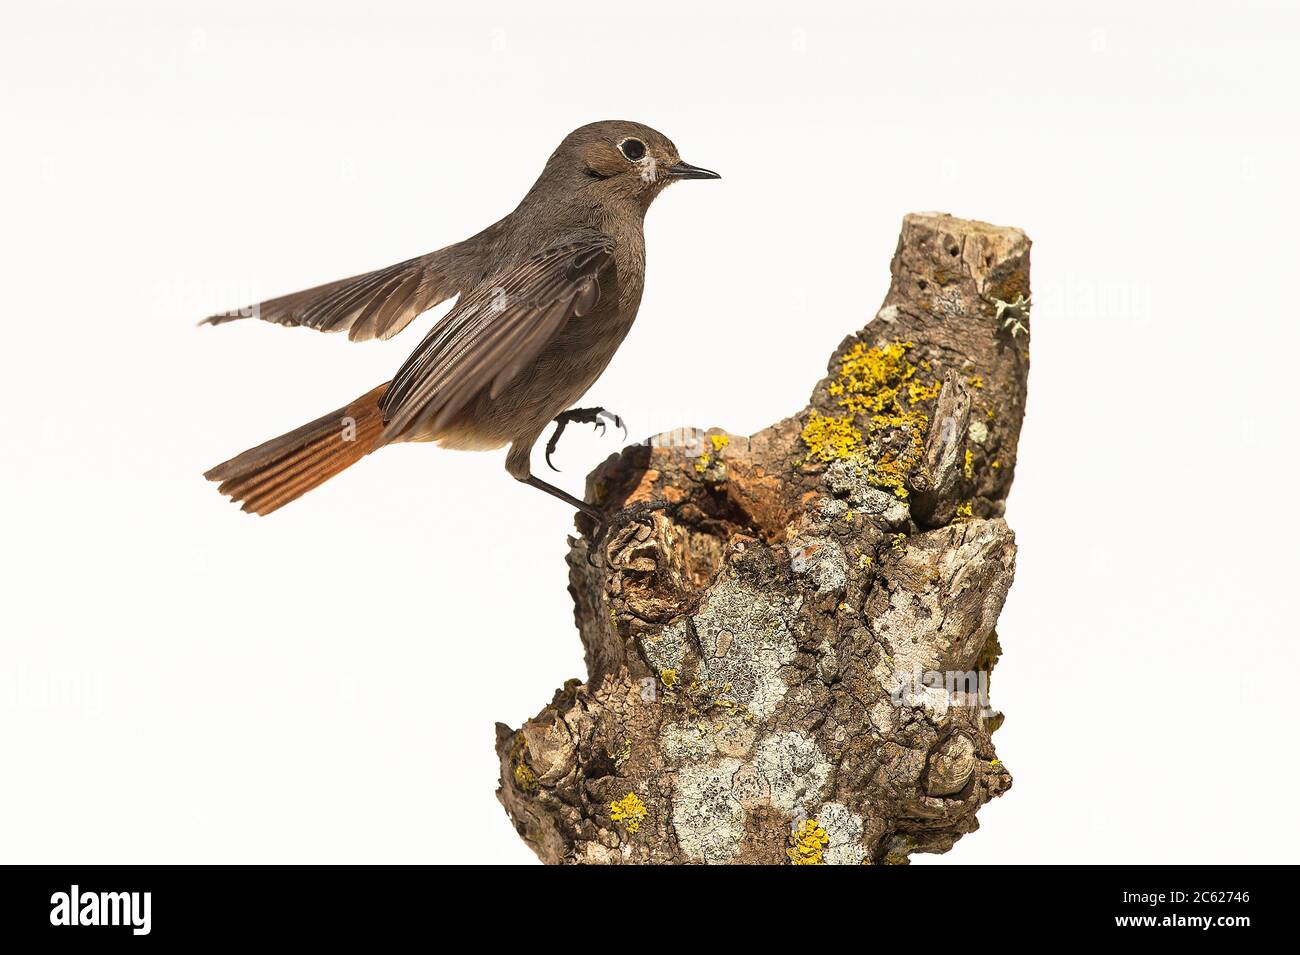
<point x="633" y="149"/>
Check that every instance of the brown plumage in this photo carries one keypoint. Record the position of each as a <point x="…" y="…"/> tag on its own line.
<point x="273" y="474"/>
<point x="546" y="295"/>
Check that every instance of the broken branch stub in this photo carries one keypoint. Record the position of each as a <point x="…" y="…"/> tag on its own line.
<point x="788" y="636"/>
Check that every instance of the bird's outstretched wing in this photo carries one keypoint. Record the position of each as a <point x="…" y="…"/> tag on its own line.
<point x="495" y="331"/>
<point x="377" y="304"/>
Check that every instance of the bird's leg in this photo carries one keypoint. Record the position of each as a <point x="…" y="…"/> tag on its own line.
<point x="596" y="416"/>
<point x="566" y="497"/>
<point x="609" y="527"/>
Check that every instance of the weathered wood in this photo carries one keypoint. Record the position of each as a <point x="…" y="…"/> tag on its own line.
<point x="788" y="636"/>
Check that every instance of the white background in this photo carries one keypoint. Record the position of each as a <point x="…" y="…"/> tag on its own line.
<point x="180" y="682"/>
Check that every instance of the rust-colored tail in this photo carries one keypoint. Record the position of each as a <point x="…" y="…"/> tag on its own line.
<point x="283" y="469"/>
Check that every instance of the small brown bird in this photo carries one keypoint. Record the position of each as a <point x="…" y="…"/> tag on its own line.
<point x="547" y="294"/>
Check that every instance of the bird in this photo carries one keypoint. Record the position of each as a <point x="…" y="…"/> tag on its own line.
<point x="543" y="299"/>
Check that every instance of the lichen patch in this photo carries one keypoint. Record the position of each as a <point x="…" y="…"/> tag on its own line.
<point x="707" y="817"/>
<point x="808" y="842"/>
<point x="666" y="649"/>
<point x="746" y="639"/>
<point x="794" y="769"/>
<point x="843" y="829"/>
<point x="629" y="810"/>
<point x="687" y="742"/>
<point x="823" y="561"/>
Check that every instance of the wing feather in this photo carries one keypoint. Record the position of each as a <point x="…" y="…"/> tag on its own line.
<point x="376" y="304"/>
<point x="495" y="331"/>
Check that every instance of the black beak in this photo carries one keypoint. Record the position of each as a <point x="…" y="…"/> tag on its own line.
<point x="684" y="170"/>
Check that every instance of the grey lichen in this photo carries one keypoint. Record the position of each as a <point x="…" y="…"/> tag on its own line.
<point x="823" y="560"/>
<point x="1010" y="314"/>
<point x="849" y="478"/>
<point x="794" y="769"/>
<point x="666" y="649"/>
<point x="844" y="831"/>
<point x="707" y="817"/>
<point x="686" y="742"/>
<point x="746" y="640"/>
<point x="832" y="509"/>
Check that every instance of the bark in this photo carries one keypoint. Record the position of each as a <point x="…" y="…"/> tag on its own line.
<point x="788" y="636"/>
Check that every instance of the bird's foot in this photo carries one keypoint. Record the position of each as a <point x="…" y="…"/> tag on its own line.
<point x="594" y="416"/>
<point x="608" y="528"/>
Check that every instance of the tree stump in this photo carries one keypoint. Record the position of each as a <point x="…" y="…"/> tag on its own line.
<point x="788" y="636"/>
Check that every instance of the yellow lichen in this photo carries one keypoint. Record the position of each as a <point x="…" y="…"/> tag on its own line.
<point x="898" y="542"/>
<point x="872" y="377"/>
<point x="720" y="441"/>
<point x="870" y="383"/>
<point x="807" y="843"/>
<point x="891" y="469"/>
<point x="702" y="464"/>
<point x="525" y="778"/>
<point x="669" y="677"/>
<point x="830" y="439"/>
<point x="919" y="392"/>
<point x="968" y="468"/>
<point x="964" y="510"/>
<point x="629" y="810"/>
<point x="976" y="381"/>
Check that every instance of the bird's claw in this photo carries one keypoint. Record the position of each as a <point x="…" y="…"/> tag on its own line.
<point x="610" y="416"/>
<point x="609" y="526"/>
<point x="592" y="416"/>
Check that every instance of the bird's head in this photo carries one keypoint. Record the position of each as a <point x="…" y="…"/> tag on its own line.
<point x="618" y="160"/>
